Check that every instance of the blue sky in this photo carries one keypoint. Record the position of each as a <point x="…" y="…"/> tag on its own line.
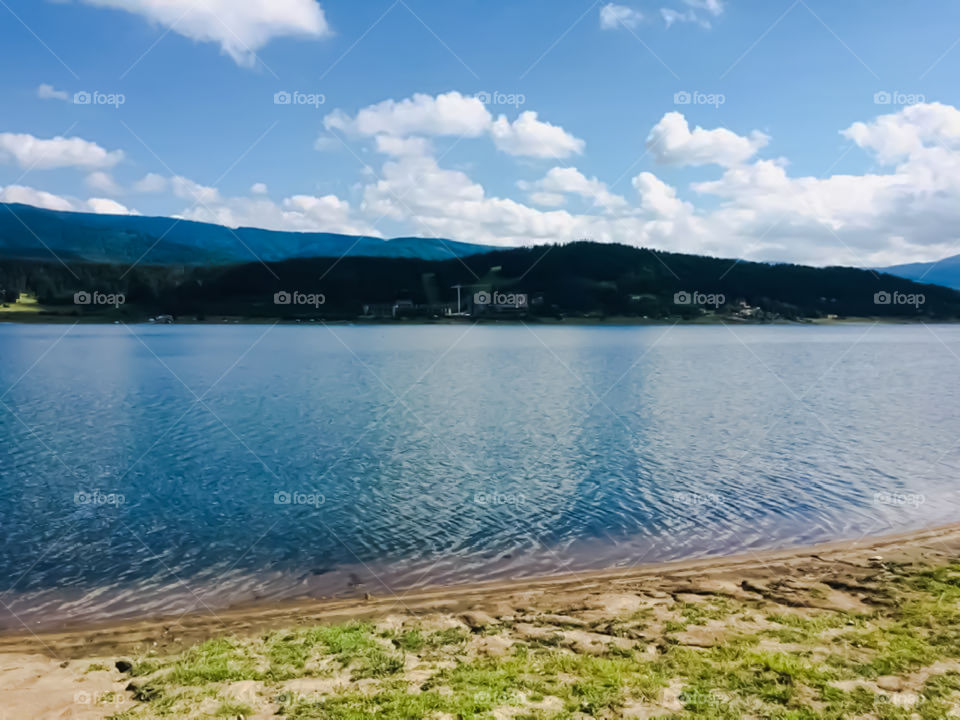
<point x="827" y="131"/>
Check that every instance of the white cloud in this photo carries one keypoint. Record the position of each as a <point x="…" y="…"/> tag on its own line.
<point x="49" y="92"/>
<point x="672" y="142"/>
<point x="714" y="7"/>
<point x="613" y="16"/>
<point x="446" y="114"/>
<point x="103" y="182"/>
<point x="187" y="189"/>
<point x="30" y="152"/>
<point x="570" y="181"/>
<point x="151" y="183"/>
<point x="258" y="189"/>
<point x="548" y="199"/>
<point x="529" y="137"/>
<point x="671" y="16"/>
<point x="105" y="206"/>
<point x="908" y="210"/>
<point x="658" y="198"/>
<point x="399" y="127"/>
<point x="896" y="136"/>
<point x="239" y="27"/>
<point x="49" y="201"/>
<point x="301" y="213"/>
<point x="402" y="146"/>
<point x="757" y="210"/>
<point x="31" y="196"/>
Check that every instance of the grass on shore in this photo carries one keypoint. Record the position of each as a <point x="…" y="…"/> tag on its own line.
<point x="675" y="657"/>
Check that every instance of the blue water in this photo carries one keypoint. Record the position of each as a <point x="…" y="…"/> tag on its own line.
<point x="144" y="470"/>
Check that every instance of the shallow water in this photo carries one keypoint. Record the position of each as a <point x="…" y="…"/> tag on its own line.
<point x="167" y="469"/>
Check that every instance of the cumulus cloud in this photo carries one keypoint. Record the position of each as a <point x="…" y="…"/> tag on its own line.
<point x="258" y="189"/>
<point x="30" y="152"/>
<point x="558" y="182"/>
<point x="740" y="205"/>
<point x="49" y="201"/>
<point x="400" y="127"/>
<point x="672" y="142"/>
<point x="301" y="213"/>
<point x="896" y="136"/>
<point x="613" y="16"/>
<point x="240" y="28"/>
<point x="527" y="136"/>
<point x="49" y="92"/>
<point x="103" y="182"/>
<point x="446" y="114"/>
<point x="105" y="206"/>
<point x="151" y="183"/>
<point x="37" y="198"/>
<point x="187" y="189"/>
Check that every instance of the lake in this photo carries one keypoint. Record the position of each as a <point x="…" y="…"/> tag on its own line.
<point x="168" y="469"/>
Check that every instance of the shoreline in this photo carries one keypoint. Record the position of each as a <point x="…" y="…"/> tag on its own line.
<point x="710" y="574"/>
<point x="625" y="321"/>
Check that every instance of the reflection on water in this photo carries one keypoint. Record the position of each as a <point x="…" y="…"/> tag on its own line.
<point x="195" y="467"/>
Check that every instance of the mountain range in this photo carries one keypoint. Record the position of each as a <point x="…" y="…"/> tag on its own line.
<point x="31" y="233"/>
<point x="942" y="272"/>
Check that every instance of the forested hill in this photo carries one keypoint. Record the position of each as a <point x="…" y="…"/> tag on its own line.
<point x="28" y="232"/>
<point x="578" y="279"/>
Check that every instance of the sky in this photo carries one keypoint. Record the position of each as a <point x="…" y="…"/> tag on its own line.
<point x="806" y="131"/>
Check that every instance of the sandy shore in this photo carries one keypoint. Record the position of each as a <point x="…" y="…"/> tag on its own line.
<point x="848" y="558"/>
<point x="46" y="675"/>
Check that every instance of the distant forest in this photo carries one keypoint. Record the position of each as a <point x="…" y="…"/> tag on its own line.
<point x="582" y="279"/>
